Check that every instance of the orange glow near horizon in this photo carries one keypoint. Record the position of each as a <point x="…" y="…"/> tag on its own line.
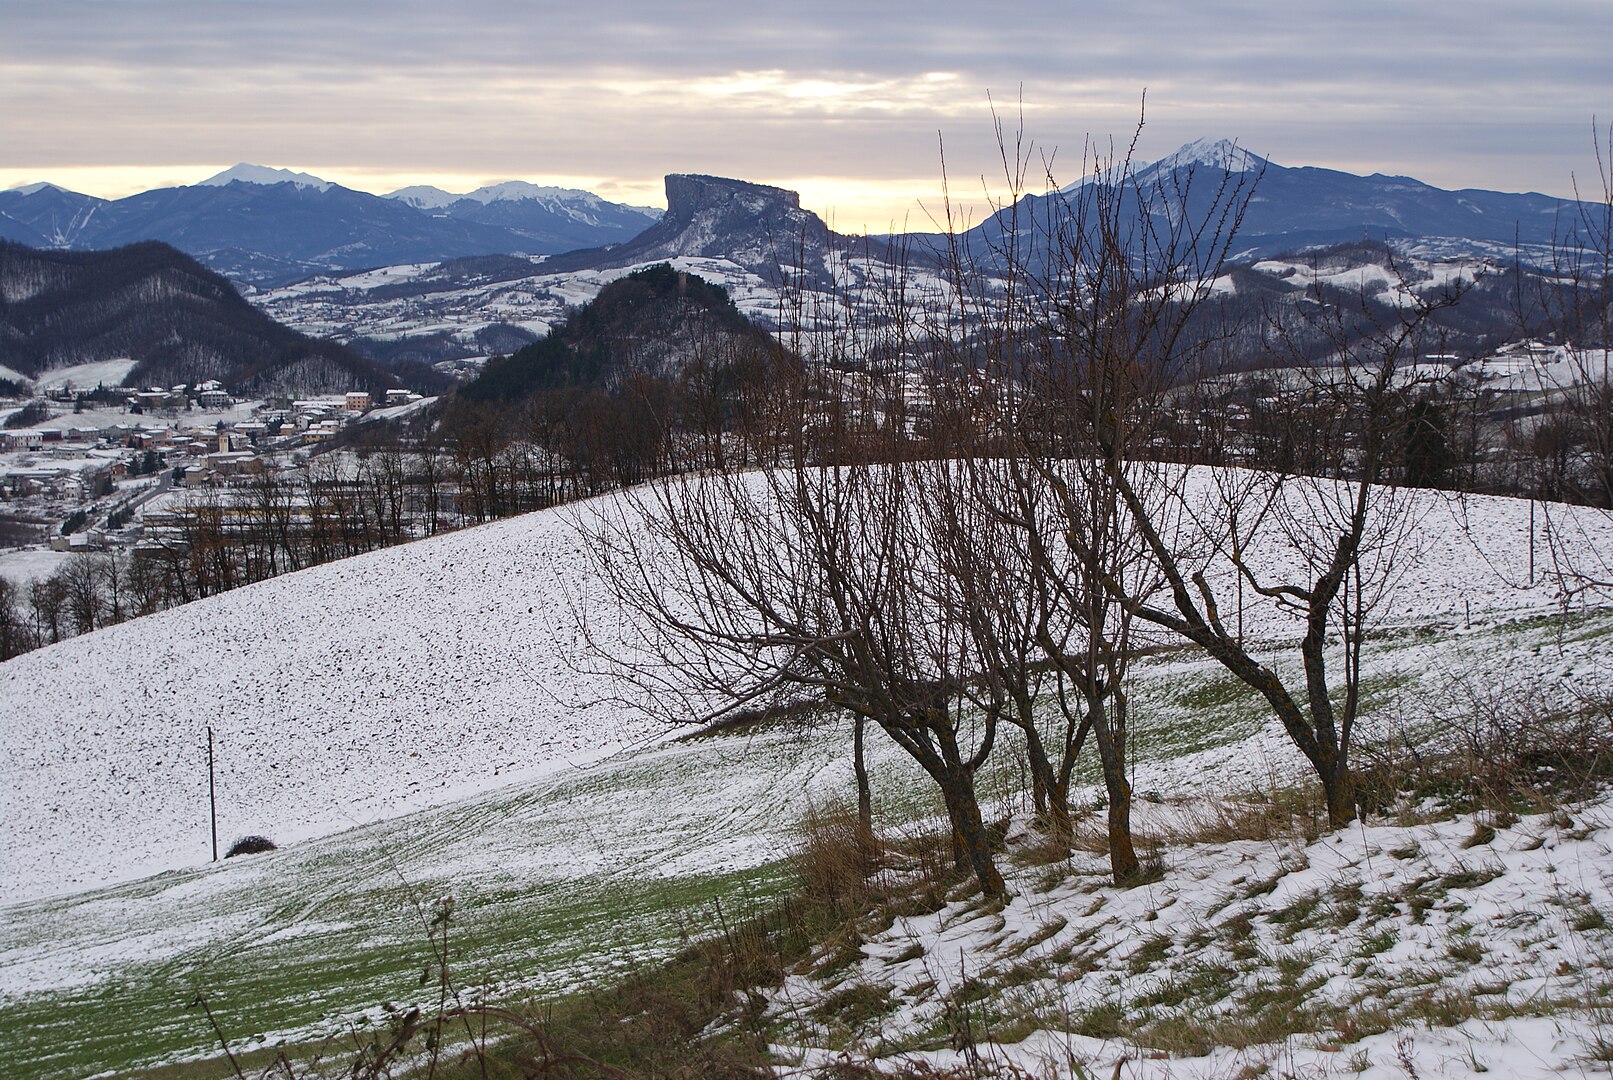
<point x="848" y="204"/>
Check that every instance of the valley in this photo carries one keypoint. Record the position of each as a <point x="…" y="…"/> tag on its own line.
<point x="1160" y="631"/>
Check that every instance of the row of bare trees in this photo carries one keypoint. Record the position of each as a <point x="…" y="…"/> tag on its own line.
<point x="1005" y="570"/>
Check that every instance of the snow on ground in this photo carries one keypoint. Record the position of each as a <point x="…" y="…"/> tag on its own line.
<point x="365" y="304"/>
<point x="1558" y="369"/>
<point x="87" y="376"/>
<point x="347" y="692"/>
<point x="61" y="458"/>
<point x="1374" y="931"/>
<point x="197" y="418"/>
<point x="403" y="678"/>
<point x="1370" y="279"/>
<point x="397" y="412"/>
<point x="430" y="695"/>
<point x="26" y="565"/>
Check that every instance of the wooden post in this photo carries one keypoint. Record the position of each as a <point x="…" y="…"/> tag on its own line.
<point x="1531" y="541"/>
<point x="212" y="796"/>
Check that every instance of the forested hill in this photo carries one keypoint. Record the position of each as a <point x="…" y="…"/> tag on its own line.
<point x="179" y="322"/>
<point x="657" y="322"/>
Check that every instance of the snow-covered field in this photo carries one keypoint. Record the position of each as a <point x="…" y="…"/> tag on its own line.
<point x="426" y="719"/>
<point x="1377" y="281"/>
<point x="87" y="376"/>
<point x="404" y="678"/>
<point x="356" y="690"/>
<point x="24" y="566"/>
<point x="1376" y="932"/>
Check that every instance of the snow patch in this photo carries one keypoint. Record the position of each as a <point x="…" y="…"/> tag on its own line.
<point x="88" y="376"/>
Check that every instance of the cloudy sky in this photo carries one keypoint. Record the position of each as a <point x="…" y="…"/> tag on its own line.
<point x="847" y="102"/>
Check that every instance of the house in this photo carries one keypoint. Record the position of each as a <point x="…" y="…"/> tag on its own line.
<point x="233" y="461"/>
<point x="156" y="398"/>
<point x="357" y="401"/>
<point x="20" y="440"/>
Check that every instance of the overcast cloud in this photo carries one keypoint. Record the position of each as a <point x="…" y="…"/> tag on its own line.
<point x="843" y="101"/>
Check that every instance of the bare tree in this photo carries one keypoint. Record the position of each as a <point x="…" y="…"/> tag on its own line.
<point x="14" y="636"/>
<point x="1572" y="441"/>
<point x="1130" y="316"/>
<point x="806" y="579"/>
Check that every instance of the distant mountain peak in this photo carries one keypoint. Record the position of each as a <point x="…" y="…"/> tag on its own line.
<point x="751" y="225"/>
<point x="34" y="189"/>
<point x="691" y="187"/>
<point x="248" y="173"/>
<point x="1212" y="153"/>
<point x="423" y="196"/>
<point x="426" y="197"/>
<point x="514" y="190"/>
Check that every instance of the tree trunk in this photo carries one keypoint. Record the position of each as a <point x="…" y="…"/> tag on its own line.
<point x="1122" y="854"/>
<point x="1338" y="788"/>
<point x="1038" y="791"/>
<point x="969" y="831"/>
<point x="1060" y="825"/>
<point x="865" y="798"/>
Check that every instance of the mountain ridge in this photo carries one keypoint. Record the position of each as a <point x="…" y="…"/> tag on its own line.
<point x="261" y="225"/>
<point x="179" y="322"/>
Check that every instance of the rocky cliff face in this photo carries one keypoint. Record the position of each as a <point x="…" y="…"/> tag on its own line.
<point x="710" y="216"/>
<point x="758" y="227"/>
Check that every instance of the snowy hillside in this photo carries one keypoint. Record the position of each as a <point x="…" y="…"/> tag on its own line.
<point x="410" y="676"/>
<point x="1401" y="951"/>
<point x="350" y="691"/>
<point x="415" y="302"/>
<point x="419" y="723"/>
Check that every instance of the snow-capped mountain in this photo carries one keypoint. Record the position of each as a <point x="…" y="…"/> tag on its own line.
<point x="44" y="215"/>
<point x="262" y="174"/>
<point x="265" y="225"/>
<point x="549" y="219"/>
<point x="271" y="226"/>
<point x="426" y="197"/>
<point x="749" y="238"/>
<point x="1294" y="208"/>
<point x="1224" y="154"/>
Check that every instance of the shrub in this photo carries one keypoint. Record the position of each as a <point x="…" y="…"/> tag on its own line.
<point x="35" y="412"/>
<point x="250" y="845"/>
<point x="834" y="859"/>
<point x="1522" y="747"/>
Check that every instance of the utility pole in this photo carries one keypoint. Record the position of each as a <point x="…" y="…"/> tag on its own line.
<point x="1531" y="540"/>
<point x="212" y="797"/>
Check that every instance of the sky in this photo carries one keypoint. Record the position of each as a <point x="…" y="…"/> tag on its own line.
<point x="869" y="109"/>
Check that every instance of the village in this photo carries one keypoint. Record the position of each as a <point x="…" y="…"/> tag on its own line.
<point x="99" y="470"/>
<point x="159" y="474"/>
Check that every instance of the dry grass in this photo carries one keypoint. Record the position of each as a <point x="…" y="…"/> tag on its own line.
<point x="1524" y="748"/>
